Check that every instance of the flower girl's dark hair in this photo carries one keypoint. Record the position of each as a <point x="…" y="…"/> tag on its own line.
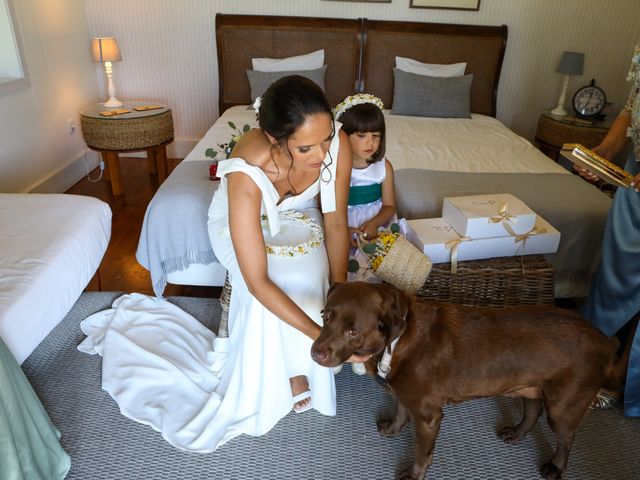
<point x="366" y="117"/>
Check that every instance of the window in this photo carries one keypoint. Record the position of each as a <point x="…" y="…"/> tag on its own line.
<point x="13" y="74"/>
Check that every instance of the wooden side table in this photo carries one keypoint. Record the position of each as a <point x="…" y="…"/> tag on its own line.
<point x="554" y="131"/>
<point x="150" y="131"/>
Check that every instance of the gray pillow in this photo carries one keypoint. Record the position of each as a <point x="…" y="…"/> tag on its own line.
<point x="424" y="96"/>
<point x="260" y="81"/>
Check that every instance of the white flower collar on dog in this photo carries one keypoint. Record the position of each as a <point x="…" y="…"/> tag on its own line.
<point x="384" y="365"/>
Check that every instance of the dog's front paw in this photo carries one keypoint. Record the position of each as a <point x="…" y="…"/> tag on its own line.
<point x="509" y="435"/>
<point x="388" y="427"/>
<point x="411" y="473"/>
<point x="550" y="471"/>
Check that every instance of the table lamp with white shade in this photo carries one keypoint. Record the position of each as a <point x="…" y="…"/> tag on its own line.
<point x="571" y="63"/>
<point x="105" y="50"/>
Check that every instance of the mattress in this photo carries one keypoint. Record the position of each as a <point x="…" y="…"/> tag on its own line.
<point x="51" y="245"/>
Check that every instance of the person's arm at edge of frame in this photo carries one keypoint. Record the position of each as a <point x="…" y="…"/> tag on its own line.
<point x="615" y="139"/>
<point x="245" y="200"/>
<point x="335" y="223"/>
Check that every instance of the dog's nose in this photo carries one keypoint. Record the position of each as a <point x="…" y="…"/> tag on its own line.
<point x="318" y="355"/>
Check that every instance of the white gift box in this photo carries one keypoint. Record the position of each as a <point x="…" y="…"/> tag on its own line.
<point x="486" y="216"/>
<point x="432" y="235"/>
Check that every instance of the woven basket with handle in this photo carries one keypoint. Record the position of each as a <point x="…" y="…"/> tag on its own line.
<point x="404" y="266"/>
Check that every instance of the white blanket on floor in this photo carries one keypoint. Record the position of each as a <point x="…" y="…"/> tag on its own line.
<point x="159" y="365"/>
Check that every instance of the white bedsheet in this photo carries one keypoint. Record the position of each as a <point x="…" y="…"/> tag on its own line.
<point x="479" y="144"/>
<point x="51" y="245"/>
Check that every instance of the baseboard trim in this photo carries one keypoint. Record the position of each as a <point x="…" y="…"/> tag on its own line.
<point x="63" y="179"/>
<point x="72" y="173"/>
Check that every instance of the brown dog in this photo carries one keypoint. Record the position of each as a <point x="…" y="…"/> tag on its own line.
<point x="449" y="353"/>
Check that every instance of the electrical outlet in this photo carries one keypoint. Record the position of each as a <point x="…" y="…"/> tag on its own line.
<point x="71" y="126"/>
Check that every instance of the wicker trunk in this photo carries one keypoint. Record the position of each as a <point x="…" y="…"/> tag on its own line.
<point x="496" y="282"/>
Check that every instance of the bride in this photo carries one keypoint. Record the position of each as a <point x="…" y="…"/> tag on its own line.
<point x="278" y="224"/>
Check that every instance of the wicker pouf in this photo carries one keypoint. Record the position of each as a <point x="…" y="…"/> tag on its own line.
<point x="496" y="282"/>
<point x="127" y="134"/>
<point x="129" y="130"/>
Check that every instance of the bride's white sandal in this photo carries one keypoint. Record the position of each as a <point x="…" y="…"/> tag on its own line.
<point x="300" y="397"/>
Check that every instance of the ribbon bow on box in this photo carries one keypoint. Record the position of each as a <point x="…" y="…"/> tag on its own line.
<point x="523" y="238"/>
<point x="504" y="218"/>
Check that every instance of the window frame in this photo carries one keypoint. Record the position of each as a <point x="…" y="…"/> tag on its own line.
<point x="15" y="85"/>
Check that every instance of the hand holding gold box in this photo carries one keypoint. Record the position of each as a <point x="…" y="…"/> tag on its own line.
<point x="594" y="163"/>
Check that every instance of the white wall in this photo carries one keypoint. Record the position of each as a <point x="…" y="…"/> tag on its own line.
<point x="168" y="48"/>
<point x="9" y="64"/>
<point x="37" y="153"/>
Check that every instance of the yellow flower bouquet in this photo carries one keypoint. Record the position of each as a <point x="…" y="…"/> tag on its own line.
<point x="396" y="261"/>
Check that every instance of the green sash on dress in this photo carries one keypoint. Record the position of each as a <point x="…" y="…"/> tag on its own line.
<point x="363" y="194"/>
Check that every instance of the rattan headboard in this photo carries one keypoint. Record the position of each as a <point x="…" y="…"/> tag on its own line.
<point x="482" y="47"/>
<point x="243" y="37"/>
<point x="359" y="53"/>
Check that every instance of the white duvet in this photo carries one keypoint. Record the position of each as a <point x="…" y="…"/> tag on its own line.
<point x="478" y="144"/>
<point x="50" y="247"/>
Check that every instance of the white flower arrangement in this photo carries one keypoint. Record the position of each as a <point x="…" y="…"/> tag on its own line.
<point x="354" y="100"/>
<point x="227" y="148"/>
<point x="302" y="248"/>
<point x="256" y="104"/>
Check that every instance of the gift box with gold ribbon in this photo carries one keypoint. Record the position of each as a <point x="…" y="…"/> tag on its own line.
<point x="486" y="216"/>
<point x="439" y="240"/>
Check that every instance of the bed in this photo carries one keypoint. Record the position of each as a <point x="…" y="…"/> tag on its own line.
<point x="51" y="245"/>
<point x="432" y="157"/>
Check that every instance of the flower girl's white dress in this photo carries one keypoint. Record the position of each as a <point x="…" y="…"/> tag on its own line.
<point x="374" y="173"/>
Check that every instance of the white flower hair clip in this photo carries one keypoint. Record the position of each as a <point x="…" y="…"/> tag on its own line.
<point x="256" y="104"/>
<point x="354" y="100"/>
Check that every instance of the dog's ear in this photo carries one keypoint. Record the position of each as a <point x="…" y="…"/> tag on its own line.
<point x="332" y="286"/>
<point x="394" y="310"/>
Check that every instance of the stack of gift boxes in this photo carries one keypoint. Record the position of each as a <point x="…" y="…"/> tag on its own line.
<point x="482" y="226"/>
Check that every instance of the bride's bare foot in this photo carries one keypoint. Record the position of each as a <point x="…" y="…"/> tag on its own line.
<point x="300" y="387"/>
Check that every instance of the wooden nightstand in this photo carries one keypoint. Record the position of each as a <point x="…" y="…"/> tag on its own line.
<point x="150" y="131"/>
<point x="554" y="131"/>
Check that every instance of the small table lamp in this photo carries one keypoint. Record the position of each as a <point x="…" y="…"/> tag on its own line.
<point x="105" y="50"/>
<point x="571" y="63"/>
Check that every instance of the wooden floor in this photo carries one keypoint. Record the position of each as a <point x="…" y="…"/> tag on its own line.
<point x="119" y="270"/>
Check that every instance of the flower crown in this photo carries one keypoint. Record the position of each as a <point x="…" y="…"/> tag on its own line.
<point x="354" y="100"/>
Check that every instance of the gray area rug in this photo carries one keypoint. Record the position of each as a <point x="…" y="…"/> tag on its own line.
<point x="103" y="444"/>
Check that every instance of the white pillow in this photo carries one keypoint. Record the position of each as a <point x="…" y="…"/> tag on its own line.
<point x="431" y="69"/>
<point x="308" y="61"/>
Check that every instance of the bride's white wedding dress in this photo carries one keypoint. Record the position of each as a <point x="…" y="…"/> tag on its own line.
<point x="167" y="370"/>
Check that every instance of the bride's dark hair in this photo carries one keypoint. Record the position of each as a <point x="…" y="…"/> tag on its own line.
<point x="285" y="106"/>
<point x="287" y="103"/>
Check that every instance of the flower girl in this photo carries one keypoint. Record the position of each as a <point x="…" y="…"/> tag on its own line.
<point x="372" y="203"/>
